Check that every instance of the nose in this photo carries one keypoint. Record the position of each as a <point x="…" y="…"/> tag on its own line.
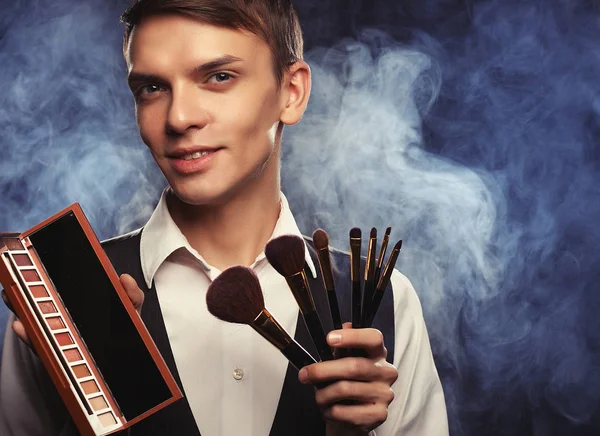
<point x="185" y="112"/>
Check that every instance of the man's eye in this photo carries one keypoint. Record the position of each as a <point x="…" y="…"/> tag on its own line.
<point x="148" y="89"/>
<point x="220" y="77"/>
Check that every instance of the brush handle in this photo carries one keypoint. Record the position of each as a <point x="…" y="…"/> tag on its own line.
<point x="315" y="328"/>
<point x="297" y="355"/>
<point x="334" y="308"/>
<point x="356" y="304"/>
<point x="327" y="274"/>
<point x="382" y="284"/>
<point x="299" y="358"/>
<point x="377" y="297"/>
<point x="366" y="302"/>
<point x="377" y="274"/>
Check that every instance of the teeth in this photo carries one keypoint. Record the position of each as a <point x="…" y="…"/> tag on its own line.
<point x="196" y="155"/>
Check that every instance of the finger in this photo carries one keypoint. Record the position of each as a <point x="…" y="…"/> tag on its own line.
<point x="135" y="294"/>
<point x="349" y="368"/>
<point x="339" y="353"/>
<point x="7" y="302"/>
<point x="365" y="416"/>
<point x="375" y="392"/>
<point x="19" y="330"/>
<point x="371" y="340"/>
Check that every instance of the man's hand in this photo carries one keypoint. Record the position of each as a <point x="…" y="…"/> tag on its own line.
<point x="135" y="294"/>
<point x="366" y="382"/>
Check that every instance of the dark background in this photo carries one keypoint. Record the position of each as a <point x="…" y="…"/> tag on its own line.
<point x="471" y="127"/>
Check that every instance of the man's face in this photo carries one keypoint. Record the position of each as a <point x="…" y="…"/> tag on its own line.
<point x="207" y="105"/>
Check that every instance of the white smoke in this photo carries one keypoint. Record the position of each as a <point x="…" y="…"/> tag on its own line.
<point x="357" y="159"/>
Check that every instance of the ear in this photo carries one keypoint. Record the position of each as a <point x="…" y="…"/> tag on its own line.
<point x="295" y="91"/>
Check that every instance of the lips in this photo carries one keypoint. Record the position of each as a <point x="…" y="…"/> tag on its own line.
<point x="192" y="152"/>
<point x="193" y="160"/>
<point x="196" y="155"/>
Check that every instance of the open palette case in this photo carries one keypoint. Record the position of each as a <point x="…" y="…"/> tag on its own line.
<point x="83" y="326"/>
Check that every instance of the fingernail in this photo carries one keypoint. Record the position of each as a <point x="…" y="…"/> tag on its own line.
<point x="303" y="375"/>
<point x="334" y="338"/>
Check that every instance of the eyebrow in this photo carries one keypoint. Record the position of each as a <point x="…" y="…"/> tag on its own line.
<point x="203" y="68"/>
<point x="217" y="63"/>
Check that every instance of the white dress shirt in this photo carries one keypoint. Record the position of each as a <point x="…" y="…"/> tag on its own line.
<point x="232" y="376"/>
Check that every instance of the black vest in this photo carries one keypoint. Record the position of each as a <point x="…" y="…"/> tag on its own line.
<point x="297" y="412"/>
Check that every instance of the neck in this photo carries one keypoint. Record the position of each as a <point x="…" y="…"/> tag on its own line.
<point x="233" y="232"/>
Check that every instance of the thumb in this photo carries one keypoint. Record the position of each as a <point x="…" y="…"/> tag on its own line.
<point x="135" y="294"/>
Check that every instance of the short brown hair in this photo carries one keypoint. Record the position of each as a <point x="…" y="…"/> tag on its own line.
<point x="274" y="21"/>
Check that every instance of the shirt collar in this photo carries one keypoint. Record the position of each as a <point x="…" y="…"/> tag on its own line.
<point x="161" y="237"/>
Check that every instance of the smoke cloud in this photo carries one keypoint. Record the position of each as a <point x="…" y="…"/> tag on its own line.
<point x="470" y="128"/>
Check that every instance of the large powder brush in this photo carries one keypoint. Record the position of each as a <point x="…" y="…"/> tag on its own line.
<point x="286" y="254"/>
<point x="236" y="296"/>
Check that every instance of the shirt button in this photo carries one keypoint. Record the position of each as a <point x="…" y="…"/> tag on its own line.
<point x="238" y="373"/>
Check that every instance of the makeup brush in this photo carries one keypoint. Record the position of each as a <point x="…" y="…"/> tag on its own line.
<point x="321" y="243"/>
<point x="286" y="254"/>
<point x="236" y="296"/>
<point x="369" y="287"/>
<point x="384" y="281"/>
<point x="356" y="298"/>
<point x="384" y="244"/>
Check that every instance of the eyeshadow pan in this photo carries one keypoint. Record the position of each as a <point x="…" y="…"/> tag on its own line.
<point x="107" y="419"/>
<point x="13" y="244"/>
<point x="30" y="275"/>
<point x="22" y="260"/>
<point x="73" y="355"/>
<point x="98" y="403"/>
<point x="47" y="307"/>
<point x="38" y="291"/>
<point x="55" y="323"/>
<point x="64" y="339"/>
<point x="90" y="387"/>
<point x="81" y="371"/>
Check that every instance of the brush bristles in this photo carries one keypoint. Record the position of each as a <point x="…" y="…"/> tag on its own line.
<point x="235" y="296"/>
<point x="373" y="234"/>
<point x="320" y="239"/>
<point x="286" y="254"/>
<point x="355" y="233"/>
<point x="398" y="245"/>
<point x="388" y="231"/>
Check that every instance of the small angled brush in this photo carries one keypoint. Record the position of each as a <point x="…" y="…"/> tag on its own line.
<point x="384" y="281"/>
<point x="286" y="254"/>
<point x="356" y="296"/>
<point x="321" y="243"/>
<point x="236" y="296"/>
<point x="369" y="287"/>
<point x="381" y="258"/>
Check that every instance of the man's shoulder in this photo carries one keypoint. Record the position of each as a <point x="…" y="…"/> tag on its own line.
<point x="124" y="252"/>
<point x="127" y="238"/>
<point x="123" y="246"/>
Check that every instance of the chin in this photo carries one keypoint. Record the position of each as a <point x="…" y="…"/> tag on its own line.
<point x="198" y="196"/>
<point x="194" y="197"/>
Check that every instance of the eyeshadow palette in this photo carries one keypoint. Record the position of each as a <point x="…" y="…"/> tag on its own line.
<point x="81" y="323"/>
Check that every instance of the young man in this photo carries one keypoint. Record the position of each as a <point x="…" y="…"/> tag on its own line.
<point x="214" y="83"/>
